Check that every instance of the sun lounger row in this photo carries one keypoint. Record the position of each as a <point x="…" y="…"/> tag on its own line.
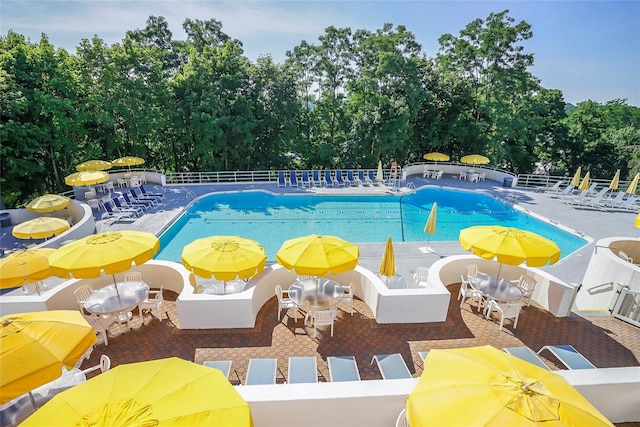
<point x="327" y="178"/>
<point x="565" y="353"/>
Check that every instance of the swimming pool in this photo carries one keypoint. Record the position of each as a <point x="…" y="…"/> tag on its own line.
<point x="271" y="219"/>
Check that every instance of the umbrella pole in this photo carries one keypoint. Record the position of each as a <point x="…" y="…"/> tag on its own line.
<point x="115" y="285"/>
<point x="33" y="401"/>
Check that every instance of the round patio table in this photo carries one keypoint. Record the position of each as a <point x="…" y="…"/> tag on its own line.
<point x="503" y="290"/>
<point x="316" y="293"/>
<point x="109" y="301"/>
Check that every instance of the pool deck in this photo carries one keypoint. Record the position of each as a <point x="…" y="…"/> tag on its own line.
<point x="604" y="340"/>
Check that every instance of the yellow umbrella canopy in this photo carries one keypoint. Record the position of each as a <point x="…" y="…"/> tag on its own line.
<point x="430" y="225"/>
<point x="40" y="228"/>
<point x="494" y="388"/>
<point x="318" y="255"/>
<point x="509" y="245"/>
<point x="163" y="392"/>
<point x="436" y="157"/>
<point x="637" y="221"/>
<point x="79" y="179"/>
<point x="388" y="264"/>
<point x="474" y="159"/>
<point x="584" y="184"/>
<point x="379" y="173"/>
<point x="128" y="161"/>
<point x="48" y="203"/>
<point x="94" y="165"/>
<point x="224" y="257"/>
<point x="35" y="346"/>
<point x="615" y="181"/>
<point x="634" y="184"/>
<point x="28" y="265"/>
<point x="111" y="252"/>
<point x="576" y="177"/>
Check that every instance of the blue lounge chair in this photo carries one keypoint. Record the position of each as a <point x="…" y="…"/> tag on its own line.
<point x="221" y="365"/>
<point x="351" y="180"/>
<point x="339" y="179"/>
<point x="137" y="210"/>
<point x="261" y="371"/>
<point x="392" y="366"/>
<point x="158" y="196"/>
<point x="343" y="368"/>
<point x="526" y="354"/>
<point x="327" y="178"/>
<point x="315" y="178"/>
<point x="305" y="179"/>
<point x="140" y="198"/>
<point x="569" y="356"/>
<point x="302" y="370"/>
<point x="136" y="202"/>
<point x="110" y="213"/>
<point x="362" y="180"/>
<point x="371" y="177"/>
<point x="293" y="178"/>
<point x="282" y="182"/>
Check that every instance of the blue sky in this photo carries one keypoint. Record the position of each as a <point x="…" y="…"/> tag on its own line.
<point x="587" y="49"/>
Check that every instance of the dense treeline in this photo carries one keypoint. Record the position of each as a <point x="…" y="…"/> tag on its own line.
<point x="351" y="99"/>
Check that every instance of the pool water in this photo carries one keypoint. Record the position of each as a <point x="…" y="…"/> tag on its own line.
<point x="271" y="219"/>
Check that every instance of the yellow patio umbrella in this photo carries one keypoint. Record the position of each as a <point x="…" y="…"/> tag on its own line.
<point x="634" y="184"/>
<point x="48" y="203"/>
<point x="510" y="246"/>
<point x="30" y="265"/>
<point x="475" y="159"/>
<point x="379" y="173"/>
<point x="112" y="252"/>
<point x="436" y="157"/>
<point x="163" y="392"/>
<point x="79" y="179"/>
<point x="615" y="181"/>
<point x="128" y="161"/>
<point x="224" y="257"/>
<point x="388" y="264"/>
<point x="584" y="184"/>
<point x="481" y="386"/>
<point x="42" y="227"/>
<point x="318" y="255"/>
<point x="94" y="165"/>
<point x="575" y="181"/>
<point x="430" y="225"/>
<point x="35" y="346"/>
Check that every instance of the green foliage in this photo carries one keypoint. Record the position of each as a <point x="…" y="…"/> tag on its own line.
<point x="353" y="98"/>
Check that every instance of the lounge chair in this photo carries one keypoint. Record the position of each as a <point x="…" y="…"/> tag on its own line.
<point x="558" y="193"/>
<point x="339" y="179"/>
<point x="261" y="371"/>
<point x="158" y="196"/>
<point x="282" y="182"/>
<point x="569" y="356"/>
<point x="526" y="354"/>
<point x="293" y="178"/>
<point x="306" y="182"/>
<point x="302" y="370"/>
<point x="110" y="213"/>
<point x="361" y="179"/>
<point x="392" y="366"/>
<point x="136" y="202"/>
<point x="629" y="205"/>
<point x="577" y="198"/>
<point x="351" y="180"/>
<point x="123" y="207"/>
<point x="614" y="201"/>
<point x="138" y="197"/>
<point x="327" y="178"/>
<point x="315" y="178"/>
<point x="221" y="365"/>
<point x="423" y="355"/>
<point x="590" y="202"/>
<point x="343" y="368"/>
<point x="371" y="177"/>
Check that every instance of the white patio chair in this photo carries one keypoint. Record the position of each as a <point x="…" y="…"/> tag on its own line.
<point x="472" y="271"/>
<point x="322" y="318"/>
<point x="103" y="366"/>
<point x="100" y="324"/>
<point x="153" y="301"/>
<point x="82" y="294"/>
<point x="421" y="277"/>
<point x="348" y="297"/>
<point x="527" y="285"/>
<point x="133" y="276"/>
<point x="33" y="288"/>
<point x="509" y="310"/>
<point x="285" y="302"/>
<point x="467" y="291"/>
<point x="402" y="421"/>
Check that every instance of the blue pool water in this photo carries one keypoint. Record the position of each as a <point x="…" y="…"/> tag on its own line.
<point x="271" y="219"/>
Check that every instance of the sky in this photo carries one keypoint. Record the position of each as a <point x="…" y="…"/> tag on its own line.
<point x="590" y="50"/>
